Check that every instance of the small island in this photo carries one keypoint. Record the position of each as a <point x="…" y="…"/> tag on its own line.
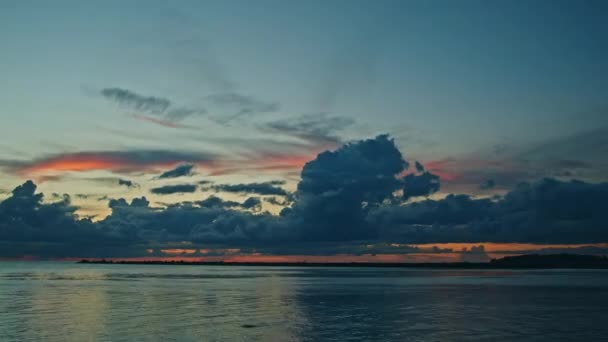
<point x="527" y="261"/>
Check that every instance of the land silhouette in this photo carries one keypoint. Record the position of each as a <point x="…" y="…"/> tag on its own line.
<point x="527" y="261"/>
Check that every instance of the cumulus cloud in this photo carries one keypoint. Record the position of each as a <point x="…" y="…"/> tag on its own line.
<point x="350" y="195"/>
<point x="174" y="189"/>
<point x="420" y="185"/>
<point x="548" y="211"/>
<point x="338" y="187"/>
<point x="53" y="227"/>
<point x="179" y="171"/>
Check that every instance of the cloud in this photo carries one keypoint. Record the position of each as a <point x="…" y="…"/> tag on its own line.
<point x="52" y="227"/>
<point x="346" y="197"/>
<point x="319" y="129"/>
<point x="566" y="157"/>
<point x="127" y="183"/>
<point x="161" y="107"/>
<point x="337" y="188"/>
<point x="267" y="188"/>
<point x="174" y="189"/>
<point x="179" y="171"/>
<point x="488" y="184"/>
<point x="161" y="122"/>
<point x="216" y="202"/>
<point x="116" y="161"/>
<point x="128" y="98"/>
<point x="278" y="202"/>
<point x="420" y="185"/>
<point x="240" y="105"/>
<point x="253" y="203"/>
<point x="548" y="211"/>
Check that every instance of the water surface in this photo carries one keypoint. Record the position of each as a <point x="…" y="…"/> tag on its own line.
<point x="58" y="301"/>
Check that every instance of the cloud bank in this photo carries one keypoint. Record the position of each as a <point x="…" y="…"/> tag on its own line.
<point x="355" y="194"/>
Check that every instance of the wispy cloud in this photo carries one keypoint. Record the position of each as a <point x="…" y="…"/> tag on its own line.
<point x="165" y="111"/>
<point x="131" y="99"/>
<point x="237" y="105"/>
<point x="317" y="129"/>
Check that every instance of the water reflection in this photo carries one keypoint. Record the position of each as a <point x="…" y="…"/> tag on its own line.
<point x="60" y="301"/>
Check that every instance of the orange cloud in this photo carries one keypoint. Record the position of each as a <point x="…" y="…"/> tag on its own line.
<point x="115" y="161"/>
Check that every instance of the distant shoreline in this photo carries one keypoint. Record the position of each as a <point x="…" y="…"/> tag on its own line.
<point x="532" y="261"/>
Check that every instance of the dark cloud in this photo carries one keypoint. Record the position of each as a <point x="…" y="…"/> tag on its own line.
<point x="127" y="183"/>
<point x="347" y="197"/>
<point x="276" y="201"/>
<point x="488" y="184"/>
<point x="158" y="106"/>
<point x="266" y="188"/>
<point x="179" y="171"/>
<point x="212" y="220"/>
<point x="338" y="187"/>
<point x="174" y="189"/>
<point x="52" y="227"/>
<point x="549" y="211"/>
<point x="252" y="203"/>
<point x="216" y="202"/>
<point x="419" y="167"/>
<point x="420" y="185"/>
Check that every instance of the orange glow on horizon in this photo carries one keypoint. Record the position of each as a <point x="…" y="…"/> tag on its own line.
<point x="495" y="247"/>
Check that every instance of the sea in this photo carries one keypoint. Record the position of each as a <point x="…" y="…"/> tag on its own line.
<point x="65" y="301"/>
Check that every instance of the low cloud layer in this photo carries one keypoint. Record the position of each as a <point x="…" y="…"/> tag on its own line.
<point x="267" y="188"/>
<point x="174" y="189"/>
<point x="355" y="194"/>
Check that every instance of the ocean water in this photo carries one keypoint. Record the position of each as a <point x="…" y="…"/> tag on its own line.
<point x="60" y="301"/>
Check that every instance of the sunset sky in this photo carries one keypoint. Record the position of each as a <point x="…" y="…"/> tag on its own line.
<point x="452" y="125"/>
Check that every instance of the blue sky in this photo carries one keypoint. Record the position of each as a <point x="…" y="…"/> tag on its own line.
<point x="484" y="94"/>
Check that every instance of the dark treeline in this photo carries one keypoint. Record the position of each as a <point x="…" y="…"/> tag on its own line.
<point x="523" y="261"/>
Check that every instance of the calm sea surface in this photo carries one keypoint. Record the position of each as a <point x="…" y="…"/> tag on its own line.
<point x="53" y="301"/>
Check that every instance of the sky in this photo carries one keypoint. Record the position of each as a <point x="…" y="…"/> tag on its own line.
<point x="466" y="122"/>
